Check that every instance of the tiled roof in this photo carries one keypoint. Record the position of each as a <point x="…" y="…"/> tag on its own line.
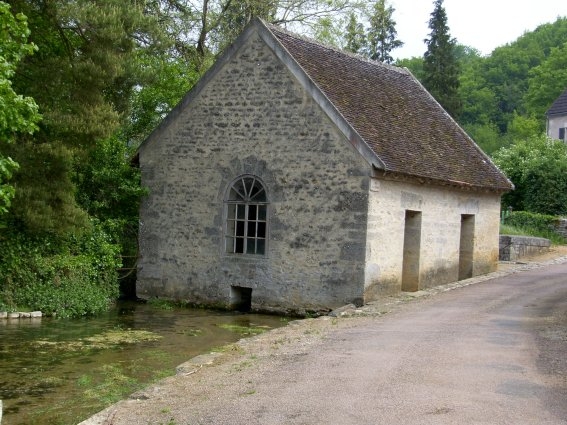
<point x="559" y="107"/>
<point x="394" y="115"/>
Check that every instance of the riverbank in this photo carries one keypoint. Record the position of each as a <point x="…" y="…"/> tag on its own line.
<point x="206" y="379"/>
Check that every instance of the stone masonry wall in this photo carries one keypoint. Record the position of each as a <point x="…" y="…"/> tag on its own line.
<point x="513" y="247"/>
<point x="441" y="211"/>
<point x="561" y="227"/>
<point x="254" y="117"/>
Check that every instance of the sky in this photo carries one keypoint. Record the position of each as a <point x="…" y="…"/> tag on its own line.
<point x="482" y="24"/>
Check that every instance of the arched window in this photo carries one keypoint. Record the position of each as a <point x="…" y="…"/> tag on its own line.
<point x="246" y="217"/>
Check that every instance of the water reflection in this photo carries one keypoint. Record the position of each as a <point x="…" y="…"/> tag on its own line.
<point x="59" y="371"/>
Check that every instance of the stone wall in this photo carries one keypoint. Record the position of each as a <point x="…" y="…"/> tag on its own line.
<point x="440" y="252"/>
<point x="561" y="227"/>
<point x="513" y="248"/>
<point x="253" y="117"/>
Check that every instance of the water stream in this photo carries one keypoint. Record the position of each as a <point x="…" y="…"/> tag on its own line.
<point x="58" y="371"/>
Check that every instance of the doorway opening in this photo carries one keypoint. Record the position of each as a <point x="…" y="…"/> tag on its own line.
<point x="412" y="248"/>
<point x="241" y="298"/>
<point x="466" y="247"/>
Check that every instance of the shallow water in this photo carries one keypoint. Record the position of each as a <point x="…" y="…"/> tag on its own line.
<point x="59" y="371"/>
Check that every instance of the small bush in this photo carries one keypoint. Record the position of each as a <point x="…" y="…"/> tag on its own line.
<point x="72" y="277"/>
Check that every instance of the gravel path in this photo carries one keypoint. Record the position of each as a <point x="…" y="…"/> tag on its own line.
<point x="491" y="352"/>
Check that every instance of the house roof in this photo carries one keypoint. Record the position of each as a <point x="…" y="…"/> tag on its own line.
<point x="383" y="111"/>
<point x="559" y="107"/>
<point x="401" y="123"/>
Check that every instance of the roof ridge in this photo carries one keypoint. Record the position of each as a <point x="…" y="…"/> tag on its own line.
<point x="277" y="28"/>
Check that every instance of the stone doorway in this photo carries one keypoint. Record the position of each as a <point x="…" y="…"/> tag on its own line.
<point x="412" y="248"/>
<point x="466" y="247"/>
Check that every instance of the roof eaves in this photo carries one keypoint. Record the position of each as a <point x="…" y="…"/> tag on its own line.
<point x="401" y="176"/>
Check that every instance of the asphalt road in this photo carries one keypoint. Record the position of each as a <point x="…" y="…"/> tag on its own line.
<point x="490" y="353"/>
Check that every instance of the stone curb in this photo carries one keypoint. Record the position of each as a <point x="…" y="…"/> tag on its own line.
<point x="21" y="315"/>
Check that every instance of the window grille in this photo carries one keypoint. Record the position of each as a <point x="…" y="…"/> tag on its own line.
<point x="246" y="217"/>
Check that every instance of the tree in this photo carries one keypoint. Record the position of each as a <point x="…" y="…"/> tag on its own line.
<point x="511" y="72"/>
<point x="18" y="114"/>
<point x="414" y="65"/>
<point x="355" y="38"/>
<point x="547" y="81"/>
<point x="88" y="51"/>
<point x="486" y="136"/>
<point x="382" y="33"/>
<point x="327" y="32"/>
<point x="538" y="168"/>
<point x="440" y="64"/>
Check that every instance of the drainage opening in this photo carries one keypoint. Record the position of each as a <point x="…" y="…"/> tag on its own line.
<point x="241" y="298"/>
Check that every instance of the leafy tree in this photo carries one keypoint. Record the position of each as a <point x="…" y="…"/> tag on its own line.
<point x="487" y="136"/>
<point x="547" y="81"/>
<point x="508" y="69"/>
<point x="18" y="114"/>
<point x="440" y="64"/>
<point x="523" y="127"/>
<point x="355" y="38"/>
<point x="235" y="14"/>
<point x="382" y="33"/>
<point x="109" y="190"/>
<point x="414" y="65"/>
<point x="327" y="32"/>
<point x="538" y="168"/>
<point x="87" y="49"/>
<point x="165" y="81"/>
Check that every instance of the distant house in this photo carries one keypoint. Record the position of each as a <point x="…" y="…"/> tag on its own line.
<point x="557" y="118"/>
<point x="297" y="177"/>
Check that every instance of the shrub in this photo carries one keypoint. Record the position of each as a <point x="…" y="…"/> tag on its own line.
<point x="72" y="277"/>
<point x="534" y="224"/>
<point x="538" y="168"/>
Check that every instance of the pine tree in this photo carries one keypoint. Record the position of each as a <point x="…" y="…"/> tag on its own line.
<point x="81" y="77"/>
<point x="355" y="39"/>
<point x="440" y="65"/>
<point x="382" y="33"/>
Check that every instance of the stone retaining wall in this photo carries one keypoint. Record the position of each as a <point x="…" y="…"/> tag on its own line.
<point x="561" y="227"/>
<point x="513" y="248"/>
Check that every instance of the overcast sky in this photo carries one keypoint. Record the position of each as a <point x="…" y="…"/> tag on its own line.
<point x="482" y="24"/>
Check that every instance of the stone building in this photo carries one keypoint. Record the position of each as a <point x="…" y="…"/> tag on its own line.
<point x="296" y="177"/>
<point x="557" y="118"/>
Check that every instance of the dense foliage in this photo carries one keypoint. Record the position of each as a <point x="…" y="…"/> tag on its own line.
<point x="533" y="224"/>
<point x="538" y="168"/>
<point x="18" y="114"/>
<point x="73" y="276"/>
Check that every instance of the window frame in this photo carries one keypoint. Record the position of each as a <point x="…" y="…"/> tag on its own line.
<point x="246" y="217"/>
